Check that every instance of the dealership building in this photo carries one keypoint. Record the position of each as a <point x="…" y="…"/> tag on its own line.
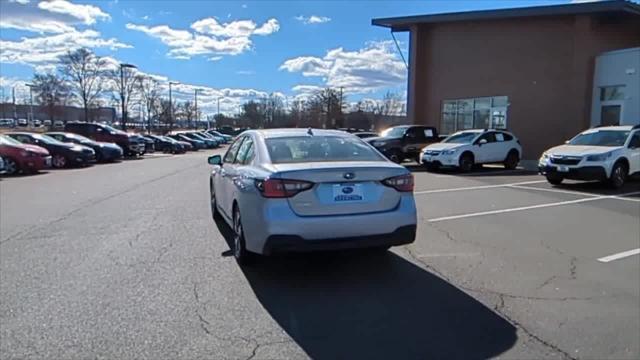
<point x="545" y="73"/>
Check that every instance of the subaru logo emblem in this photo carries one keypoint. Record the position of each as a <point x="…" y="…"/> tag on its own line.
<point x="349" y="175"/>
<point x="347" y="190"/>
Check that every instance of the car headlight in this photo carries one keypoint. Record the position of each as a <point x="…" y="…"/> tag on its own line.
<point x="449" y="152"/>
<point x="379" y="143"/>
<point x="599" y="157"/>
<point x="544" y="157"/>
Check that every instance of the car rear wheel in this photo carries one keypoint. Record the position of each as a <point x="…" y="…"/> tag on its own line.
<point x="243" y="257"/>
<point x="10" y="166"/>
<point x="618" y="175"/>
<point x="554" y="179"/>
<point x="59" y="161"/>
<point x="466" y="162"/>
<point x="395" y="156"/>
<point x="512" y="160"/>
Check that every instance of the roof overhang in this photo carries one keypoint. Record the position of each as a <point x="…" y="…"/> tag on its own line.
<point x="404" y="23"/>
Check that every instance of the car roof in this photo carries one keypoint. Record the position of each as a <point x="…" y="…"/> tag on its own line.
<point x="293" y="132"/>
<point x="618" y="128"/>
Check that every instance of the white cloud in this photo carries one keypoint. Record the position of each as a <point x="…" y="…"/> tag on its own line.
<point x="215" y="58"/>
<point x="38" y="25"/>
<point x="245" y="72"/>
<point x="88" y="14"/>
<point x="21" y="2"/>
<point x="210" y="37"/>
<point x="369" y="69"/>
<point x="313" y="19"/>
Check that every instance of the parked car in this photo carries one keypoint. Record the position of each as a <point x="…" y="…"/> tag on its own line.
<point x="167" y="145"/>
<point x="209" y="143"/>
<point x="130" y="144"/>
<point x="25" y="158"/>
<point x="150" y="144"/>
<point x="404" y="142"/>
<point x="58" y="124"/>
<point x="196" y="144"/>
<point x="185" y="145"/>
<point x="468" y="148"/>
<point x="218" y="139"/>
<point x="63" y="154"/>
<point x="23" y="122"/>
<point x="37" y="123"/>
<point x="7" y="123"/>
<point x="104" y="151"/>
<point x="227" y="130"/>
<point x="227" y="138"/>
<point x="365" y="134"/>
<point x="2" y="169"/>
<point x="609" y="154"/>
<point x="287" y="190"/>
<point x="47" y="123"/>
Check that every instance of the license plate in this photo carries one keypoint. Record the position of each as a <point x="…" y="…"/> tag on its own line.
<point x="563" y="168"/>
<point x="427" y="158"/>
<point x="347" y="192"/>
<point x="47" y="161"/>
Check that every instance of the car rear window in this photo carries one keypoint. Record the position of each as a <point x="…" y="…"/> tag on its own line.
<point x="289" y="150"/>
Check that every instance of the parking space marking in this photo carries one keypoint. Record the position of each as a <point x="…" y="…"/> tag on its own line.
<point x="477" y="187"/>
<point x="522" y="208"/>
<point x="570" y="192"/>
<point x="619" y="256"/>
<point x="627" y="199"/>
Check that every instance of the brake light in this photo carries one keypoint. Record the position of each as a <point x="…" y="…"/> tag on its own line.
<point x="402" y="183"/>
<point x="282" y="188"/>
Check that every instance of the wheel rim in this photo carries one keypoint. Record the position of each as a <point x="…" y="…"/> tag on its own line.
<point x="394" y="158"/>
<point x="59" y="161"/>
<point x="237" y="230"/>
<point x="10" y="166"/>
<point x="466" y="164"/>
<point x="618" y="176"/>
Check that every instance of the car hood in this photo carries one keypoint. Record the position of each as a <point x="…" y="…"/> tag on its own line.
<point x="35" y="149"/>
<point x="444" y="146"/>
<point x="580" y="150"/>
<point x="381" y="138"/>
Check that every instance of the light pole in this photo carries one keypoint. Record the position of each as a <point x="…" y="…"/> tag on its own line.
<point x="122" y="93"/>
<point x="197" y="117"/>
<point x="30" y="86"/>
<point x="171" y="105"/>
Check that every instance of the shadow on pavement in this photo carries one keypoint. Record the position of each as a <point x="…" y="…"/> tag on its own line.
<point x="478" y="171"/>
<point x="360" y="305"/>
<point x="599" y="188"/>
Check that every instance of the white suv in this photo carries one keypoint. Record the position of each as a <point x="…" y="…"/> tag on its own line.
<point x="467" y="148"/>
<point x="605" y="153"/>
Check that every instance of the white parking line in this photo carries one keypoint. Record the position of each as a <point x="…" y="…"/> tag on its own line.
<point x="560" y="203"/>
<point x="477" y="187"/>
<point x="627" y="199"/>
<point x="618" y="256"/>
<point x="554" y="190"/>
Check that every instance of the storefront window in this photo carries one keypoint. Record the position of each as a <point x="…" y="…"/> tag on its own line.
<point x="612" y="93"/>
<point x="475" y="113"/>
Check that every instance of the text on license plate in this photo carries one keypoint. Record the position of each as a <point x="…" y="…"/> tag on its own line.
<point x="347" y="192"/>
<point x="563" y="168"/>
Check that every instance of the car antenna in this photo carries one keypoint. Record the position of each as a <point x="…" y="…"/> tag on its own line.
<point x="310" y="132"/>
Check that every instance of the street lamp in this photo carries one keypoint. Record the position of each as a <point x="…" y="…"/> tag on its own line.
<point x="196" y="100"/>
<point x="30" y="86"/>
<point x="122" y="93"/>
<point x="171" y="104"/>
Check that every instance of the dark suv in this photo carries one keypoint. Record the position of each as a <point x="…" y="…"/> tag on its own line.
<point x="404" y="142"/>
<point x="131" y="144"/>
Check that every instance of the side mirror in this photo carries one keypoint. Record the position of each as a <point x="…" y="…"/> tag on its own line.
<point x="566" y="142"/>
<point x="215" y="160"/>
<point x="482" y="142"/>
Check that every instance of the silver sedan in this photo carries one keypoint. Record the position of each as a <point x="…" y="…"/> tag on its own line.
<point x="289" y="190"/>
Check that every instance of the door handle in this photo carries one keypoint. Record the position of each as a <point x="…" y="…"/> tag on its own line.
<point x="223" y="173"/>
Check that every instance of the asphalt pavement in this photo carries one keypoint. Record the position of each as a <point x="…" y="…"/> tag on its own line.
<point x="124" y="261"/>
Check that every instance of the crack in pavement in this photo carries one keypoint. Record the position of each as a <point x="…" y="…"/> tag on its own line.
<point x="499" y="308"/>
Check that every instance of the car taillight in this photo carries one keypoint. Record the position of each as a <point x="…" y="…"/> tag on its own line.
<point x="402" y="183"/>
<point x="282" y="188"/>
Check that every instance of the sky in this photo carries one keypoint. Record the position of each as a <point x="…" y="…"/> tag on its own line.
<point x="231" y="50"/>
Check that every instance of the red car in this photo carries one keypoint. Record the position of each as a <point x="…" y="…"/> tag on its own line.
<point x="19" y="157"/>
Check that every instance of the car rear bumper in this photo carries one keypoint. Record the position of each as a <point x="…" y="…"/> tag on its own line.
<point x="586" y="173"/>
<point x="276" y="228"/>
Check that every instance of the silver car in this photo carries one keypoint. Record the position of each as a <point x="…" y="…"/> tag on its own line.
<point x="289" y="190"/>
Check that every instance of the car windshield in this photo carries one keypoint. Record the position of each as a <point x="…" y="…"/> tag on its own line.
<point x="47" y="139"/>
<point x="6" y="140"/>
<point x="82" y="139"/>
<point x="110" y="128"/>
<point x="601" y="138"/>
<point x="395" y="131"/>
<point x="461" y="138"/>
<point x="319" y="149"/>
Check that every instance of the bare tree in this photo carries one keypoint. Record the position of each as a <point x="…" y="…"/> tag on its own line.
<point x="187" y="111"/>
<point x="391" y="104"/>
<point x="83" y="71"/>
<point x="125" y="84"/>
<point x="51" y="92"/>
<point x="150" y="94"/>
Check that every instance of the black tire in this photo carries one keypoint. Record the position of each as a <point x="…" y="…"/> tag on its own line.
<point x="11" y="166"/>
<point x="618" y="175"/>
<point x="214" y="208"/>
<point x="466" y="162"/>
<point x="554" y="179"/>
<point x="240" y="253"/>
<point x="512" y="160"/>
<point x="59" y="161"/>
<point x="396" y="156"/>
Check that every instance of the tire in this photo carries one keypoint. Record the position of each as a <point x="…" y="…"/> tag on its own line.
<point x="512" y="160"/>
<point x="11" y="166"/>
<point x="214" y="207"/>
<point x="466" y="162"/>
<point x="554" y="179"/>
<point x="618" y="175"/>
<point x="59" y="161"/>
<point x="395" y="156"/>
<point x="243" y="257"/>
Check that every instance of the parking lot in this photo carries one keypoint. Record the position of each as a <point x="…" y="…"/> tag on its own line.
<point x="124" y="261"/>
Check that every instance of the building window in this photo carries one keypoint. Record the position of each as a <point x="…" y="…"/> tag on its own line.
<point x="608" y="93"/>
<point x="476" y="113"/>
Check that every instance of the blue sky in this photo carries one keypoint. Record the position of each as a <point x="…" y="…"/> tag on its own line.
<point x="232" y="49"/>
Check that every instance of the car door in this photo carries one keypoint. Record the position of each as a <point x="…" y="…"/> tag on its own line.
<point x="224" y="179"/>
<point x="414" y="141"/>
<point x="483" y="152"/>
<point x="501" y="147"/>
<point x="634" y="153"/>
